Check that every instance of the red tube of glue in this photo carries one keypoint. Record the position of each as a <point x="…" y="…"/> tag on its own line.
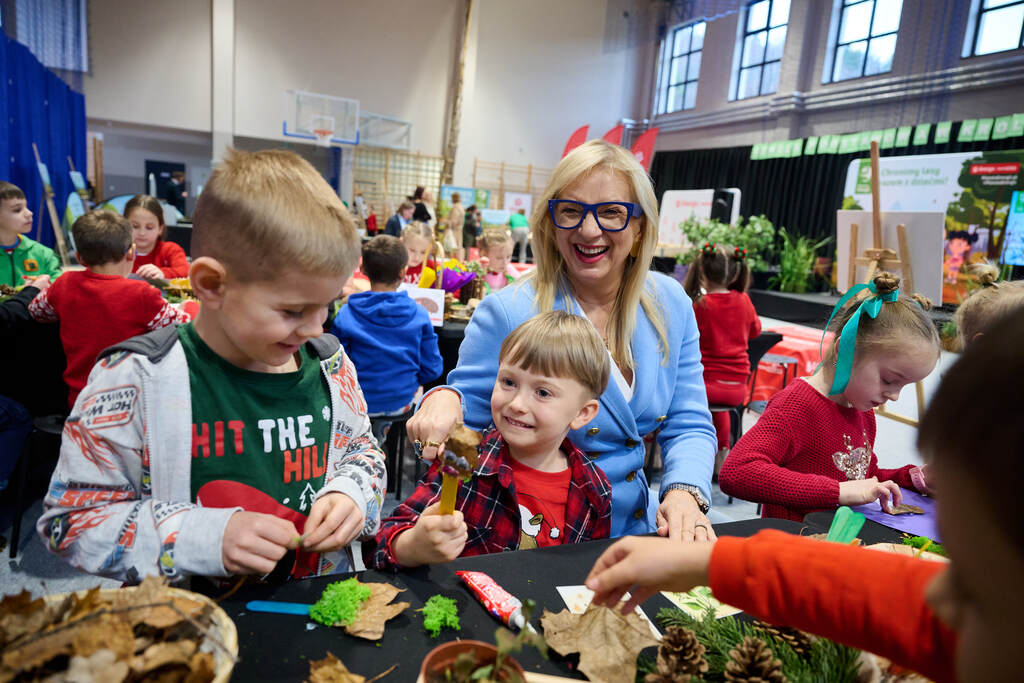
<point x="496" y="599"/>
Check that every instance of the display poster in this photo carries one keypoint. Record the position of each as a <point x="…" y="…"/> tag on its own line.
<point x="678" y="206"/>
<point x="430" y="299"/>
<point x="974" y="191"/>
<point x="494" y="218"/>
<point x="444" y="202"/>
<point x="516" y="201"/>
<point x="1013" y="243"/>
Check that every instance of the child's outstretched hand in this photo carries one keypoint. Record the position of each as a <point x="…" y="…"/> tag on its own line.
<point x="644" y="566"/>
<point x="334" y="520"/>
<point x="254" y="542"/>
<point x="862" y="491"/>
<point x="434" y="539"/>
<point x="40" y="282"/>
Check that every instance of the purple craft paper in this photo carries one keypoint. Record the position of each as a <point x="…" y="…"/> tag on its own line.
<point x="915" y="525"/>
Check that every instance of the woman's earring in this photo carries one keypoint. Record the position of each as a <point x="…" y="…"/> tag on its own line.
<point x="635" y="249"/>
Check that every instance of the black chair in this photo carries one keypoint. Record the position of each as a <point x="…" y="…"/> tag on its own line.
<point x="394" y="447"/>
<point x="39" y="454"/>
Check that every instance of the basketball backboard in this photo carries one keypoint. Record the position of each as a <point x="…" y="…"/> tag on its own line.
<point x="309" y="115"/>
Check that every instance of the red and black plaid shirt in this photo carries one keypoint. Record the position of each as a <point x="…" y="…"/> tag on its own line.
<point x="490" y="509"/>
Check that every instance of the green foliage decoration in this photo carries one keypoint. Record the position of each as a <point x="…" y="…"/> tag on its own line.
<point x="795" y="262"/>
<point x="756" y="235"/>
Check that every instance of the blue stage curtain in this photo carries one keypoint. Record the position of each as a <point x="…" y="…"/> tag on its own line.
<point x="38" y="107"/>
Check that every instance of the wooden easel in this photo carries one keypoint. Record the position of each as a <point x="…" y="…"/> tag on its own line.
<point x="58" y="230"/>
<point x="877" y="257"/>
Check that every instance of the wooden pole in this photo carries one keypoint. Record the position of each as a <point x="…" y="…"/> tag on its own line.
<point x="501" y="186"/>
<point x="905" y="270"/>
<point x="876" y="198"/>
<point x="475" y="162"/>
<point x="58" y="230"/>
<point x="455" y="111"/>
<point x="529" y="177"/>
<point x="851" y="273"/>
<point x="98" y="181"/>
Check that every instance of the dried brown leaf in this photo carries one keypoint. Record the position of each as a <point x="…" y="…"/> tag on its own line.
<point x="20" y="614"/>
<point x="369" y="623"/>
<point x="202" y="668"/>
<point x="166" y="617"/>
<point x="82" y="605"/>
<point x="34" y="652"/>
<point x="906" y="509"/>
<point x="607" y="640"/>
<point x="107" y="632"/>
<point x="331" y="670"/>
<point x="163" y="654"/>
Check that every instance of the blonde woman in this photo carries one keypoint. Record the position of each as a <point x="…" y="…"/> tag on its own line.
<point x="594" y="233"/>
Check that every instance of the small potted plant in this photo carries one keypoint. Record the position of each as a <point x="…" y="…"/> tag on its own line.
<point x="795" y="262"/>
<point x="462" y="661"/>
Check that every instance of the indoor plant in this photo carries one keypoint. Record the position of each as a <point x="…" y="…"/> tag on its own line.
<point x="756" y="235"/>
<point x="795" y="262"/>
<point x="461" y="661"/>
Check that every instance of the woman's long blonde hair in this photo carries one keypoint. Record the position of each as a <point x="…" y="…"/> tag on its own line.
<point x="551" y="275"/>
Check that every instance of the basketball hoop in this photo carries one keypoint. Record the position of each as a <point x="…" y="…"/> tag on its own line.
<point x="323" y="137"/>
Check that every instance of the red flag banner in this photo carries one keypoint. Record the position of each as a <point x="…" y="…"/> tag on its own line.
<point x="643" y="148"/>
<point x="614" y="136"/>
<point x="576" y="139"/>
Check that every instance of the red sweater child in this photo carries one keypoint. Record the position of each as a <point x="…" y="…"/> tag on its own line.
<point x="727" y="322"/>
<point x="167" y="256"/>
<point x="97" y="311"/>
<point x="798" y="452"/>
<point x="864" y="598"/>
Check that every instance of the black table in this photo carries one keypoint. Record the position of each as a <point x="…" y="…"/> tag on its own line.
<point x="275" y="647"/>
<point x="872" y="532"/>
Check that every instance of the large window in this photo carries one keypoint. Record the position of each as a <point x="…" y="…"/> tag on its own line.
<point x="994" y="26"/>
<point x="864" y="38"/>
<point x="761" y="43"/>
<point x="681" y="67"/>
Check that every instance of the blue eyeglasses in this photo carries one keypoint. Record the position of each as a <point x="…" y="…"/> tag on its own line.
<point x="569" y="214"/>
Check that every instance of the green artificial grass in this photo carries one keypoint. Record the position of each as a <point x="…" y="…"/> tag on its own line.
<point x="340" y="602"/>
<point x="440" y="612"/>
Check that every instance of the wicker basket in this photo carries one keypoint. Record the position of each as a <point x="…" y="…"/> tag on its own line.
<point x="224" y="662"/>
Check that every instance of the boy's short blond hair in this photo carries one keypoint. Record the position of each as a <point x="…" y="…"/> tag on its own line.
<point x="263" y="214"/>
<point x="559" y="344"/>
<point x="990" y="303"/>
<point x="101" y="237"/>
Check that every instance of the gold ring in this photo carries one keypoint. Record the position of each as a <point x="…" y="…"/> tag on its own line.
<point x="700" y="525"/>
<point x="432" y="444"/>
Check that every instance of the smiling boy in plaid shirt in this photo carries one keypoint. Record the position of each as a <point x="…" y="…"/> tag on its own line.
<point x="532" y="487"/>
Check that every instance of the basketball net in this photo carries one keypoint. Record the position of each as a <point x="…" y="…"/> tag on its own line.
<point x="323" y="137"/>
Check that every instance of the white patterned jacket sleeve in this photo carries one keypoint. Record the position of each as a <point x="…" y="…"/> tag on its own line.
<point x="99" y="512"/>
<point x="355" y="465"/>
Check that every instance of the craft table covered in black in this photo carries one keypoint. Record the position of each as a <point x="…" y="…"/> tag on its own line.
<point x="274" y="647"/>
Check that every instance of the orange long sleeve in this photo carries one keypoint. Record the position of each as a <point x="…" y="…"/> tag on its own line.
<point x="863" y="598"/>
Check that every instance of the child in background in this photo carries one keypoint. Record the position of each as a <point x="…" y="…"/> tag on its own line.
<point x="985" y="306"/>
<point x="470" y="227"/>
<point x="20" y="257"/>
<point x="519" y="225"/>
<point x="99" y="306"/>
<point x="418" y="238"/>
<point x="948" y="622"/>
<point x="210" y="447"/>
<point x="496" y="246"/>
<point x="387" y="335"/>
<point x="532" y="487"/>
<point x="717" y="282"/>
<point x="812" y="449"/>
<point x="154" y="258"/>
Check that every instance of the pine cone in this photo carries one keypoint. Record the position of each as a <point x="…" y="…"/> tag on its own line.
<point x="794" y="637"/>
<point x="752" y="661"/>
<point x="659" y="677"/>
<point x="680" y="652"/>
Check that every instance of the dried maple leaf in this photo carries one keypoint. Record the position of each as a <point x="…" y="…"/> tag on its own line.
<point x="85" y="604"/>
<point x="164" y="654"/>
<point x="331" y="670"/>
<point x="20" y="614"/>
<point x="369" y="623"/>
<point x="607" y="640"/>
<point x="106" y="632"/>
<point x="202" y="668"/>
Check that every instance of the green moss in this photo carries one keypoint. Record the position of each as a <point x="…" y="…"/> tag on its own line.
<point x="438" y="613"/>
<point x="926" y="543"/>
<point x="340" y="602"/>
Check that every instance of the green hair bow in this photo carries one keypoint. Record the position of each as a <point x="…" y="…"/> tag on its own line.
<point x="848" y="335"/>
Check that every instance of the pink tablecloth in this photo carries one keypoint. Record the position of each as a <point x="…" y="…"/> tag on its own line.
<point x="799" y="342"/>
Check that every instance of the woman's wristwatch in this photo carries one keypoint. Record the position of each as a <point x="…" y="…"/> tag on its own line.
<point x="702" y="502"/>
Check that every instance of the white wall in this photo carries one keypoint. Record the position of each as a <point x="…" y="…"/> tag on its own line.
<point x="149" y="63"/>
<point x="540" y="70"/>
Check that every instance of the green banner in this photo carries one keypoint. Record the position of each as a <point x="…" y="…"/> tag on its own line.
<point x="903" y="136"/>
<point x="1017" y="126"/>
<point x="812" y="145"/>
<point x="983" y="130"/>
<point x="888" y="138"/>
<point x="864" y="177"/>
<point x="833" y="144"/>
<point x="942" y="132"/>
<point x="921" y="133"/>
<point x="796" y="148"/>
<point x="967" y="128"/>
<point x="1001" y="127"/>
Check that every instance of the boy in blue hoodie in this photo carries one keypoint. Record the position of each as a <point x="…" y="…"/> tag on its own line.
<point x="387" y="335"/>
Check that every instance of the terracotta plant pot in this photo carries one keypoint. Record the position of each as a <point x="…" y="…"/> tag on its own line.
<point x="443" y="656"/>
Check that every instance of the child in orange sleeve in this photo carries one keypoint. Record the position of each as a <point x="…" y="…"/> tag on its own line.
<point x="717" y="282"/>
<point x="955" y="622"/>
<point x="813" y="448"/>
<point x="154" y="257"/>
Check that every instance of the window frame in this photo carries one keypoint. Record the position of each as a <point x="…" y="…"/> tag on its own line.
<point x="973" y="28"/>
<point x="741" y="40"/>
<point x="665" y="70"/>
<point x="834" y="43"/>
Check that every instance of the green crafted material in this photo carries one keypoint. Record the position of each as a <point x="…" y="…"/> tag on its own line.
<point x="848" y="335"/>
<point x="340" y="602"/>
<point x="440" y="612"/>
